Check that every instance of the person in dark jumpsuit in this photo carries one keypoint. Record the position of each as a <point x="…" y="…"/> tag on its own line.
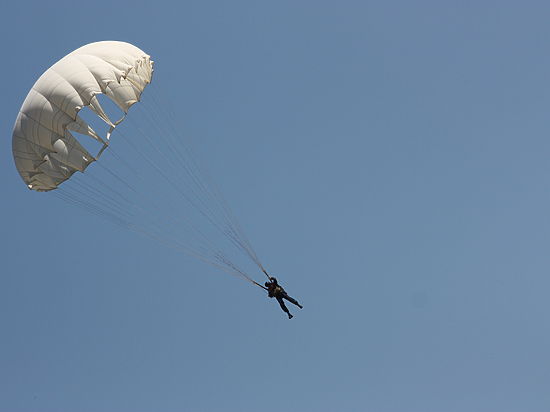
<point x="274" y="290"/>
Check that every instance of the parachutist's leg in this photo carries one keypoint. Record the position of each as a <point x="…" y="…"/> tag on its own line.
<point x="292" y="300"/>
<point x="283" y="306"/>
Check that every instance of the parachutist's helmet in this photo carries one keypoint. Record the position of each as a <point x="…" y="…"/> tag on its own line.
<point x="273" y="279"/>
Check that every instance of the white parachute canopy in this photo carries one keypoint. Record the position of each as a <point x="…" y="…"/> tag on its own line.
<point x="45" y="151"/>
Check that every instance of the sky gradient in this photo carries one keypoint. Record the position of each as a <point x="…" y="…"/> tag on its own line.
<point x="388" y="160"/>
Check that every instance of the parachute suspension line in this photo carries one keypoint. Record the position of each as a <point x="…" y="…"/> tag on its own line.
<point x="97" y="200"/>
<point x="224" y="265"/>
<point x="203" y="207"/>
<point x="176" y="245"/>
<point x="189" y="162"/>
<point x="137" y="229"/>
<point x="233" y="229"/>
<point x="125" y="183"/>
<point x="201" y="237"/>
<point x="190" y="159"/>
<point x="76" y="196"/>
<point x="218" y="255"/>
<point x="89" y="207"/>
<point x="108" y="197"/>
<point x="131" y="205"/>
<point x="210" y="217"/>
<point x="155" y="207"/>
<point x="173" y="141"/>
<point x="165" y="177"/>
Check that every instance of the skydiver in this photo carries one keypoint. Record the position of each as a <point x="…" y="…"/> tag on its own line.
<point x="274" y="290"/>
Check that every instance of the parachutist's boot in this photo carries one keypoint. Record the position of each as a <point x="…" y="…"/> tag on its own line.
<point x="290" y="316"/>
<point x="300" y="306"/>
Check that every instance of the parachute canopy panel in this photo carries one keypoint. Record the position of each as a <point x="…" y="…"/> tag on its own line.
<point x="45" y="151"/>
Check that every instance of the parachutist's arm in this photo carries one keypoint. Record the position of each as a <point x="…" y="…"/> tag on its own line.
<point x="262" y="286"/>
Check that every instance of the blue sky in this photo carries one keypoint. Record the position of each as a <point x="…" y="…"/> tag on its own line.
<point x="389" y="162"/>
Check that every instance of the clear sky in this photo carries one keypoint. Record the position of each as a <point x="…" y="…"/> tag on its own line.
<point x="389" y="162"/>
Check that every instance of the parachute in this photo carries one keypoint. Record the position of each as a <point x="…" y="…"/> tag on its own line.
<point x="48" y="150"/>
<point x="45" y="151"/>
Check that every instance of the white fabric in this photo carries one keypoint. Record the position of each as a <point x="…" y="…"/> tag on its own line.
<point x="45" y="151"/>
